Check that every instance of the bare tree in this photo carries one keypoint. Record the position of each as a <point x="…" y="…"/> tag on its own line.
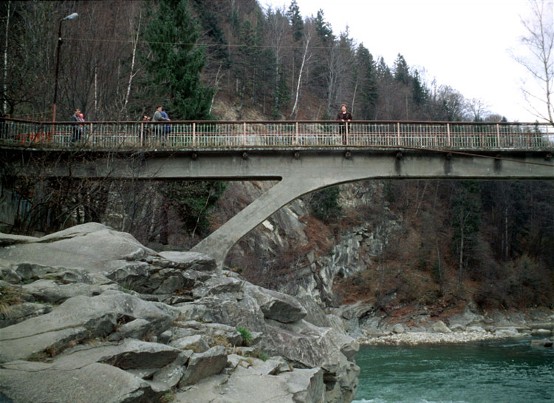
<point x="305" y="57"/>
<point x="477" y="109"/>
<point x="539" y="42"/>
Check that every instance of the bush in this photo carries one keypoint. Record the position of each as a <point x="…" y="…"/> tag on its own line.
<point x="245" y="334"/>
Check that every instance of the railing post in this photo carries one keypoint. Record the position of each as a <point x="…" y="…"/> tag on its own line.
<point x="194" y="134"/>
<point x="243" y="133"/>
<point x="296" y="133"/>
<point x="448" y="134"/>
<point x="346" y="130"/>
<point x="497" y="135"/>
<point x="398" y="134"/>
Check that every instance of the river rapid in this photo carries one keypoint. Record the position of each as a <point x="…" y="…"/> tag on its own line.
<point x="501" y="370"/>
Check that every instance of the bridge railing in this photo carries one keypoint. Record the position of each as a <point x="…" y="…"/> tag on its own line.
<point x="277" y="134"/>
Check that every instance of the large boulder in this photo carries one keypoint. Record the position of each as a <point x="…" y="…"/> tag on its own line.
<point x="24" y="381"/>
<point x="91" y="246"/>
<point x="254" y="381"/>
<point x="79" y="319"/>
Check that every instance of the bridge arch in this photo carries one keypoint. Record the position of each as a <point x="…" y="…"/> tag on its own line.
<point x="308" y="172"/>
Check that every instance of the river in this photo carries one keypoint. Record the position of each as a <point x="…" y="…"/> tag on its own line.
<point x="492" y="371"/>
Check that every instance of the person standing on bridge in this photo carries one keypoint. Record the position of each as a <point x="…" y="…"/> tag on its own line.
<point x="78" y="129"/>
<point x="159" y="116"/>
<point x="344" y="117"/>
<point x="167" y="128"/>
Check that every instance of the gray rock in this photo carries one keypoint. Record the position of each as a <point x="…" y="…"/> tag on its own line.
<point x="169" y="376"/>
<point x="219" y="285"/>
<point x="440" y="327"/>
<point x="20" y="312"/>
<point x="195" y="343"/>
<point x="50" y="291"/>
<point x="506" y="332"/>
<point x="24" y="381"/>
<point x="398" y="329"/>
<point x="77" y="319"/>
<point x="248" y="385"/>
<point x="191" y="260"/>
<point x="78" y="247"/>
<point x="203" y="365"/>
<point x="277" y="306"/>
<point x="136" y="329"/>
<point x="476" y="329"/>
<point x="129" y="354"/>
<point x="12" y="239"/>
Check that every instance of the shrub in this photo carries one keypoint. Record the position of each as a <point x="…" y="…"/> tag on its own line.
<point x="245" y="334"/>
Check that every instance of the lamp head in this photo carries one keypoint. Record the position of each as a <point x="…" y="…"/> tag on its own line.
<point x="71" y="16"/>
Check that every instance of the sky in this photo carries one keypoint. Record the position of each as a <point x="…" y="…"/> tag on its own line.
<point x="469" y="45"/>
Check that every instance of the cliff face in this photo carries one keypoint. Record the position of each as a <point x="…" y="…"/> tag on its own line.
<point x="383" y="260"/>
<point x="89" y="303"/>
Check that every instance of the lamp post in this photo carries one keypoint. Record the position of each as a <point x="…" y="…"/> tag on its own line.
<point x="58" y="46"/>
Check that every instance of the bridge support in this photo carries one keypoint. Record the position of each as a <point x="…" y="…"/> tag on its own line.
<point x="219" y="243"/>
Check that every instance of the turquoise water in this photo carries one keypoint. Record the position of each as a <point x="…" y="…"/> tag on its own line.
<point x="499" y="371"/>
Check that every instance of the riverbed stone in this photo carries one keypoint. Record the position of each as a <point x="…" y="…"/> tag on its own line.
<point x="440" y="327"/>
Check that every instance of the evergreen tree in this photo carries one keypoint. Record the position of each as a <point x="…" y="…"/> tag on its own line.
<point x="383" y="71"/>
<point x="420" y="93"/>
<point x="255" y="67"/>
<point x="175" y="61"/>
<point x="402" y="71"/>
<point x="211" y="26"/>
<point x="296" y="21"/>
<point x="324" y="204"/>
<point x="323" y="28"/>
<point x="366" y="77"/>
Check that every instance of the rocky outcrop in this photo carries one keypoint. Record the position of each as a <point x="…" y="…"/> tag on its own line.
<point x="89" y="314"/>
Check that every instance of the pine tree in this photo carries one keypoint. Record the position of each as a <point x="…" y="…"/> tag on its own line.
<point x="366" y="77"/>
<point x="401" y="70"/>
<point x="296" y="21"/>
<point x="175" y="61"/>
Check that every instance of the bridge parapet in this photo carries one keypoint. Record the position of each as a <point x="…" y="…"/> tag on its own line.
<point x="216" y="135"/>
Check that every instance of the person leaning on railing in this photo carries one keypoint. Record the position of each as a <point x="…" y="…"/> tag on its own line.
<point x="344" y="117"/>
<point x="159" y="117"/>
<point x="78" y="129"/>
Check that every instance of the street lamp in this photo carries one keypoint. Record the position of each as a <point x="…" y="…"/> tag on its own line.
<point x="58" y="46"/>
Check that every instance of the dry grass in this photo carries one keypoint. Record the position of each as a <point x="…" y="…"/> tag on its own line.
<point x="9" y="296"/>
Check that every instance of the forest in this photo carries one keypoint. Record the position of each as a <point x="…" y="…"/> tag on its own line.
<point x="233" y="60"/>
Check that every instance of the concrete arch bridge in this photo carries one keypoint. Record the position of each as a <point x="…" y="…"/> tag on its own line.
<point x="303" y="156"/>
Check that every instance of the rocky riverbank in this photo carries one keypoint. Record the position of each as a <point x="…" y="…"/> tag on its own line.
<point x="417" y="338"/>
<point x="411" y="326"/>
<point x="90" y="315"/>
<point x="438" y="332"/>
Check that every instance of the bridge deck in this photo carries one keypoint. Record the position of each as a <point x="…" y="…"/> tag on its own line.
<point x="211" y="135"/>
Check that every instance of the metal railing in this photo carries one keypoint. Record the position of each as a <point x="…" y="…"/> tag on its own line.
<point x="277" y="134"/>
